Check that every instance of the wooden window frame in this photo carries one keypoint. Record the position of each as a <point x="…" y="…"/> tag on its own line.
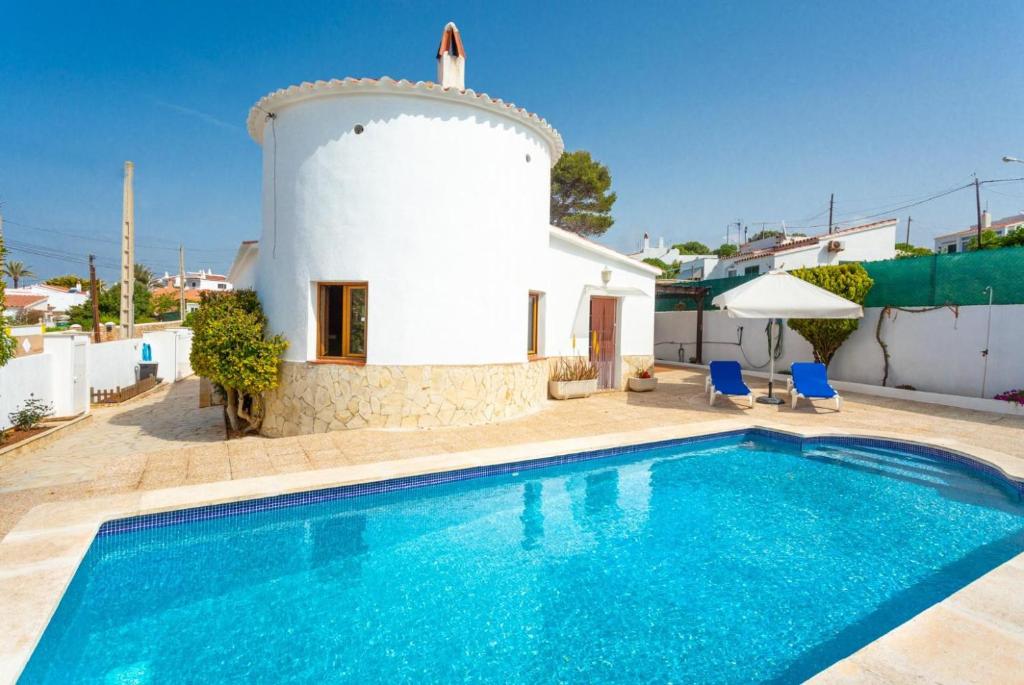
<point x="533" y="344"/>
<point x="346" y="321"/>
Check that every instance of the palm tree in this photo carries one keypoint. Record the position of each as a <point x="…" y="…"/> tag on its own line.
<point x="17" y="271"/>
<point x="143" y="274"/>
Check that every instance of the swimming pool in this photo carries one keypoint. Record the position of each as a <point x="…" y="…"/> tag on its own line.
<point x="749" y="556"/>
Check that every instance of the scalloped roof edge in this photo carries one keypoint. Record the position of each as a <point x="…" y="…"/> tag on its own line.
<point x="273" y="102"/>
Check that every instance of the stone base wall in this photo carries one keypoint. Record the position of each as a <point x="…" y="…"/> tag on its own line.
<point x="315" y="398"/>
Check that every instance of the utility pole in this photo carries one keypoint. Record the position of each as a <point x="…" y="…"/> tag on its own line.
<point x="181" y="281"/>
<point x="128" y="255"/>
<point x="909" y="219"/>
<point x="831" y="206"/>
<point x="977" y="202"/>
<point x="94" y="295"/>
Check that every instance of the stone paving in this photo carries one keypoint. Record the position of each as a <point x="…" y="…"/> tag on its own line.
<point x="164" y="440"/>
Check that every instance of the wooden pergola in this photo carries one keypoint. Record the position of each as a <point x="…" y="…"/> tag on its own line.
<point x="696" y="293"/>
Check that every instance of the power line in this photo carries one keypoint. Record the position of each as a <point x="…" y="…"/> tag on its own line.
<point x="114" y="240"/>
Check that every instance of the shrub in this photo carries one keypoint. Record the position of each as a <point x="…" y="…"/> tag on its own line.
<point x="1016" y="396"/>
<point x="231" y="348"/>
<point x="850" y="281"/>
<point x="30" y="414"/>
<point x="692" y="247"/>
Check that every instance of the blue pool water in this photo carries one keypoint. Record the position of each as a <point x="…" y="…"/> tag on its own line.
<point x="731" y="560"/>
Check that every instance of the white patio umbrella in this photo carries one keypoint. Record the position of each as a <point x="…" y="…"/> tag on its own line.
<point x="777" y="295"/>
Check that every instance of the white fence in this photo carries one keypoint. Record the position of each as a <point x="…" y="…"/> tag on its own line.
<point x="70" y="365"/>
<point x="936" y="351"/>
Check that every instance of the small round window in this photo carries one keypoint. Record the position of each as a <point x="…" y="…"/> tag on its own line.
<point x="528" y="158"/>
<point x="358" y="129"/>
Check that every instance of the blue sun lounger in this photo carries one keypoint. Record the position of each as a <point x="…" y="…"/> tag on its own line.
<point x="726" y="379"/>
<point x="810" y="381"/>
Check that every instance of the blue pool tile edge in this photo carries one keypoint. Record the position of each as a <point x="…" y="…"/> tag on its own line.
<point x="215" y="511"/>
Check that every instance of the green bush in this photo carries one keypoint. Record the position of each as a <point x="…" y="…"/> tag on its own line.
<point x="850" y="281"/>
<point x="230" y="347"/>
<point x="30" y="414"/>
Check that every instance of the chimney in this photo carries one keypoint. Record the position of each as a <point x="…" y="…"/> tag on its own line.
<point x="661" y="243"/>
<point x="986" y="219"/>
<point x="647" y="241"/>
<point x="451" y="59"/>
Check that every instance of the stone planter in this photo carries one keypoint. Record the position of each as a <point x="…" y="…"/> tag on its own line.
<point x="642" y="384"/>
<point x="566" y="390"/>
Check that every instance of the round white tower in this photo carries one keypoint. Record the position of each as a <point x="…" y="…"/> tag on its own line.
<point x="432" y="204"/>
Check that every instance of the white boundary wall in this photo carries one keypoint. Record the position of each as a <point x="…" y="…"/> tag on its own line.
<point x="112" y="364"/>
<point x="22" y="377"/>
<point x="70" y="365"/>
<point x="933" y="351"/>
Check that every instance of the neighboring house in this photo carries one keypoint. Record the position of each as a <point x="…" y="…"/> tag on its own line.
<point x="958" y="241"/>
<point x="46" y="302"/>
<point x="196" y="280"/>
<point x="192" y="296"/>
<point x="691" y="266"/>
<point x="867" y="242"/>
<point x="59" y="300"/>
<point x="463" y="323"/>
<point x="22" y="305"/>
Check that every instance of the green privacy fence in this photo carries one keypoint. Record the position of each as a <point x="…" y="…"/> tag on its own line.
<point x="929" y="281"/>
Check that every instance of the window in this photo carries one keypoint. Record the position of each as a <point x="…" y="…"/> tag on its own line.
<point x="951" y="248"/>
<point x="730" y="273"/>
<point x="341" y="321"/>
<point x="531" y="330"/>
<point x="222" y="286"/>
<point x="752" y="270"/>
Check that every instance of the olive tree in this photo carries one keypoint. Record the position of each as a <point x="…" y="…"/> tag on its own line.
<point x="231" y="348"/>
<point x="850" y="281"/>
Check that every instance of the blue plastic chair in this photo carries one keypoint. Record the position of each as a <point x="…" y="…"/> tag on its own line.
<point x="810" y="381"/>
<point x="726" y="379"/>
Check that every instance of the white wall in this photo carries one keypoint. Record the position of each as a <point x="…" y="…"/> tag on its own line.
<point x="931" y="351"/>
<point x="563" y="278"/>
<point x="22" y="377"/>
<point x="171" y="349"/>
<point x="434" y="205"/>
<point x="112" y="364"/>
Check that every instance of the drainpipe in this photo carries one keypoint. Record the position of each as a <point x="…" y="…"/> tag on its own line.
<point x="988" y="336"/>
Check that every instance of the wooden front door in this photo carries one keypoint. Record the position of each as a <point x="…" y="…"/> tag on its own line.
<point x="602" y="339"/>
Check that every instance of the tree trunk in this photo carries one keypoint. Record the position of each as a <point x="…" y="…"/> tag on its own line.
<point x="231" y="408"/>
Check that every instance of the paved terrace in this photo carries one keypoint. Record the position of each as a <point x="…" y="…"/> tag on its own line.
<point x="163" y="441"/>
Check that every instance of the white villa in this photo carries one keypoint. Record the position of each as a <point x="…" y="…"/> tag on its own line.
<point x="50" y="301"/>
<point x="461" y="324"/>
<point x="204" y="279"/>
<point x="958" y="241"/>
<point x="863" y="243"/>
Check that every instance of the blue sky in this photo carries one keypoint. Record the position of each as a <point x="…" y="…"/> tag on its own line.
<point x="705" y="112"/>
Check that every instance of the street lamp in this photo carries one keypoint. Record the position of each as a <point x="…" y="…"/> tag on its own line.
<point x="1007" y="158"/>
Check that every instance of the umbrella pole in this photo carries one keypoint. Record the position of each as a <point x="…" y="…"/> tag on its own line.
<point x="771" y="398"/>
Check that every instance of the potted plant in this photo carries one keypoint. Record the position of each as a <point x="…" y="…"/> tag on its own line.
<point x="643" y="381"/>
<point x="573" y="377"/>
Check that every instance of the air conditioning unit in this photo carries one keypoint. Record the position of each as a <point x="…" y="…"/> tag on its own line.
<point x="836" y="246"/>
